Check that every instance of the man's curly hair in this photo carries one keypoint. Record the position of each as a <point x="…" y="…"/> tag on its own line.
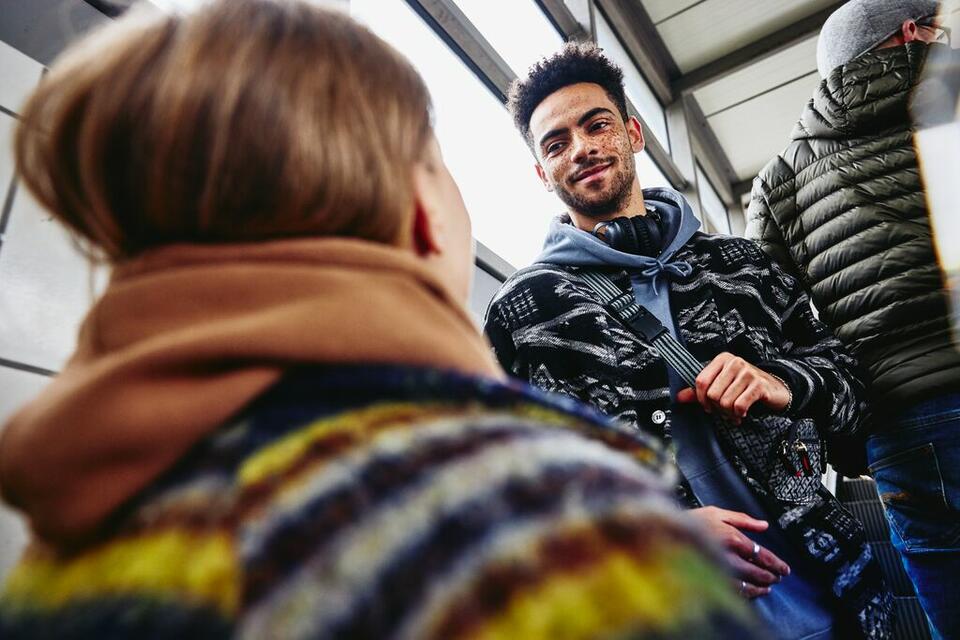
<point x="575" y="62"/>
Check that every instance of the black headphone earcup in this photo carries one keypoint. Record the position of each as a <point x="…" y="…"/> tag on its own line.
<point x="621" y="235"/>
<point x="639" y="235"/>
<point x="649" y="238"/>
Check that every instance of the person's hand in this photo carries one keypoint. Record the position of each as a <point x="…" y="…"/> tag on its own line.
<point x="731" y="385"/>
<point x="755" y="567"/>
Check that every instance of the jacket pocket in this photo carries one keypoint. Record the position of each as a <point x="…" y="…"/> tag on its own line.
<point x="911" y="487"/>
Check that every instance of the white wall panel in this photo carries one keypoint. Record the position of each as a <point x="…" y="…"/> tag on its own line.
<point x="6" y="153"/>
<point x="484" y="288"/>
<point x="45" y="287"/>
<point x="18" y="76"/>
<point x="16" y="388"/>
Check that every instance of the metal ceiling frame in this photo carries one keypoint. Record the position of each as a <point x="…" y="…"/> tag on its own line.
<point x="750" y="53"/>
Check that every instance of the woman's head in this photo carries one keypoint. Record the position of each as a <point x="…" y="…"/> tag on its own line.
<point x="244" y="121"/>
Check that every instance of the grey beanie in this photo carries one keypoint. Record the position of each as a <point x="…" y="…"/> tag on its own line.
<point x="860" y="25"/>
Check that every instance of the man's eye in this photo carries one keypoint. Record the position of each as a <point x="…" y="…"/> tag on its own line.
<point x="554" y="147"/>
<point x="599" y="126"/>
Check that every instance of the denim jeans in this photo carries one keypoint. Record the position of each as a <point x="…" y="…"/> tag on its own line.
<point x="916" y="463"/>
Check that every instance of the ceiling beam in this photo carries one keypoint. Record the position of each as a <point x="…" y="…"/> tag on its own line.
<point x="640" y="37"/>
<point x="716" y="162"/>
<point x="563" y="19"/>
<point x="751" y="53"/>
<point x="453" y="27"/>
<point x="742" y="187"/>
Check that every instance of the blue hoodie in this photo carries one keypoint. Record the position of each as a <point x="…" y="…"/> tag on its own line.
<point x="799" y="607"/>
<point x="568" y="245"/>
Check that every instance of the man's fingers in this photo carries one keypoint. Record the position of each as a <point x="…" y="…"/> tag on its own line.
<point x="771" y="562"/>
<point x="749" y="591"/>
<point x="743" y="521"/>
<point x="722" y="382"/>
<point x="686" y="395"/>
<point x="751" y="573"/>
<point x="732" y="393"/>
<point x="763" y="558"/>
<point x="747" y="399"/>
<point x="706" y="377"/>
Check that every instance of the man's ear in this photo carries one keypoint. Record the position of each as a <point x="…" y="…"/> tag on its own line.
<point x="635" y="133"/>
<point x="909" y="30"/>
<point x="543" y="177"/>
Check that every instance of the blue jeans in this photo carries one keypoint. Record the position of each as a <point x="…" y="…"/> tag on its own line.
<point x="916" y="463"/>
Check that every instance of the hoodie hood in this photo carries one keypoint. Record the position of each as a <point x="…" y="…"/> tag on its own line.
<point x="186" y="336"/>
<point x="869" y="94"/>
<point x="569" y="246"/>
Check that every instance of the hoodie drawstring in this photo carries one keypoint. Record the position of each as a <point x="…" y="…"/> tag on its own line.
<point x="677" y="269"/>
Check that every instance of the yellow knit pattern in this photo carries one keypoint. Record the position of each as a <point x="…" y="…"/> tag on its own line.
<point x="664" y="593"/>
<point x="175" y="564"/>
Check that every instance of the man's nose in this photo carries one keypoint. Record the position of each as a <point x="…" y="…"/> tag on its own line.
<point x="583" y="148"/>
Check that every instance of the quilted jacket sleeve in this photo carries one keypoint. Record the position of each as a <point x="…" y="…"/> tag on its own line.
<point x="827" y="383"/>
<point x="763" y="228"/>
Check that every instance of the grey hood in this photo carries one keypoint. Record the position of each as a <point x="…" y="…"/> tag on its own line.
<point x="567" y="245"/>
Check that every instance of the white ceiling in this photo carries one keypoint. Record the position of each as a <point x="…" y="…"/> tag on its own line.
<point x="758" y="130"/>
<point x="760" y="77"/>
<point x="752" y="110"/>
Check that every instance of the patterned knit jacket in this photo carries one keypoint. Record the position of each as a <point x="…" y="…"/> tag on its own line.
<point x="547" y="327"/>
<point x="389" y="502"/>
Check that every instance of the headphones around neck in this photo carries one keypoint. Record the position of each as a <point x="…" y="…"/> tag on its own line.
<point x="639" y="235"/>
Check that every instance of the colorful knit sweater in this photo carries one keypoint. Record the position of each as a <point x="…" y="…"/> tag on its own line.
<point x="380" y="502"/>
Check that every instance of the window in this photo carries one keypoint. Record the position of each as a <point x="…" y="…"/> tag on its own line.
<point x="649" y="173"/>
<point x="501" y="27"/>
<point x="638" y="91"/>
<point x="509" y="208"/>
<point x="712" y="206"/>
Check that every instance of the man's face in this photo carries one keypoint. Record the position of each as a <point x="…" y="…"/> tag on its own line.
<point x="585" y="150"/>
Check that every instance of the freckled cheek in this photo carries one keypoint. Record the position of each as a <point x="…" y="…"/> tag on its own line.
<point x="611" y="142"/>
<point x="558" y="171"/>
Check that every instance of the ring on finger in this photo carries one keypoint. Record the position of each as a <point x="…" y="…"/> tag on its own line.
<point x="743" y="588"/>
<point x="756" y="552"/>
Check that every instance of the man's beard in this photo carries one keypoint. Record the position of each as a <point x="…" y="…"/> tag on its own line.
<point x="616" y="197"/>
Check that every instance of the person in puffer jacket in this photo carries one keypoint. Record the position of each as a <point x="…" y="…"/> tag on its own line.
<point x="843" y="208"/>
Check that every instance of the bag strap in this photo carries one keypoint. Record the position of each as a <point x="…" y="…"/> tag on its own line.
<point x="623" y="305"/>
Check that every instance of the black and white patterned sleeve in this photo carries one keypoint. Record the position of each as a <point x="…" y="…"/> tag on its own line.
<point x="826" y="381"/>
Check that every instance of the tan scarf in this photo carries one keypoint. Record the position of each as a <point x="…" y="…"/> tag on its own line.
<point x="186" y="336"/>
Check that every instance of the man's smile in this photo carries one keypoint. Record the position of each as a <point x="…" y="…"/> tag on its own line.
<point x="594" y="171"/>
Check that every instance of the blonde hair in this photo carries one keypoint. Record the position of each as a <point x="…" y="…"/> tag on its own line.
<point x="243" y="121"/>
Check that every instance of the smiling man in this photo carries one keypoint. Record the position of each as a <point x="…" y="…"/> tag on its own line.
<point x="775" y="377"/>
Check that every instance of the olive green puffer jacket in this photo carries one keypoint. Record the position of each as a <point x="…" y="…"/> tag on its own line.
<point x="843" y="208"/>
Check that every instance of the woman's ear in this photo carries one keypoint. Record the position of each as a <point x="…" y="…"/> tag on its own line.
<point x="424" y="237"/>
<point x="427" y="234"/>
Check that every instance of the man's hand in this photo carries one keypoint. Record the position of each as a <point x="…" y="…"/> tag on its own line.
<point x="757" y="567"/>
<point x="731" y="385"/>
